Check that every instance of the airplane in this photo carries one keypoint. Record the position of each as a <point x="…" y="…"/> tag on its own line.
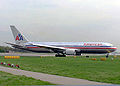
<point x="61" y="48"/>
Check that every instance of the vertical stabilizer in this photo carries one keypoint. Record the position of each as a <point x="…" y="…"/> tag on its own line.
<point x="19" y="38"/>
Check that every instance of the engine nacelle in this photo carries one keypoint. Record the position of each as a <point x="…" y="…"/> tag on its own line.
<point x="70" y="52"/>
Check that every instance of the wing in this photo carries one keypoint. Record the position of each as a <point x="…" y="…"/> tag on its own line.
<point x="57" y="49"/>
<point x="48" y="46"/>
<point x="14" y="45"/>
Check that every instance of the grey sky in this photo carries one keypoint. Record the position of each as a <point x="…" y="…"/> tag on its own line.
<point x="61" y="20"/>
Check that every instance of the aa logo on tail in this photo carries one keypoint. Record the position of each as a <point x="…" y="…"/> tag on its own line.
<point x="19" y="37"/>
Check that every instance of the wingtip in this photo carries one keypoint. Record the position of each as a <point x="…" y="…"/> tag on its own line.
<point x="12" y="26"/>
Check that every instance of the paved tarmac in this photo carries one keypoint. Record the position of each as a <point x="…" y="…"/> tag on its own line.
<point x="50" y="78"/>
<point x="40" y="54"/>
<point x="27" y="54"/>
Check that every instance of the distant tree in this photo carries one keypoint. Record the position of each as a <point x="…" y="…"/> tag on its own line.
<point x="4" y="49"/>
<point x="1" y="50"/>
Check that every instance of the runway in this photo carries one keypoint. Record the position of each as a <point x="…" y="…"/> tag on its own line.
<point x="27" y="54"/>
<point x="40" y="54"/>
<point x="50" y="78"/>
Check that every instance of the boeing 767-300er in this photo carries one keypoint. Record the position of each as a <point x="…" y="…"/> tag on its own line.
<point x="61" y="48"/>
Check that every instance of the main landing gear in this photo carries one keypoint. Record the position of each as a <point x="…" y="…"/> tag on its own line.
<point x="60" y="55"/>
<point x="107" y="55"/>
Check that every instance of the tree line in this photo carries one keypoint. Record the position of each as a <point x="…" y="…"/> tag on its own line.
<point x="6" y="49"/>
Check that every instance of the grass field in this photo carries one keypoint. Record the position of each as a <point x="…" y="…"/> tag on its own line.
<point x="80" y="67"/>
<point x="7" y="79"/>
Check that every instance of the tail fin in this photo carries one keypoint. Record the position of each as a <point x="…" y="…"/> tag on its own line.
<point x="19" y="38"/>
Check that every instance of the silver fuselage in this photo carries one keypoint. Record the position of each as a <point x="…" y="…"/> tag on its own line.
<point x="82" y="47"/>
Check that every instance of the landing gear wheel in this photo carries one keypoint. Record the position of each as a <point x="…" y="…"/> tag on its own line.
<point x="107" y="55"/>
<point x="78" y="54"/>
<point x="58" y="55"/>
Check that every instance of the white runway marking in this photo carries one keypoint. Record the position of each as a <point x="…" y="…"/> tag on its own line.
<point x="50" y="78"/>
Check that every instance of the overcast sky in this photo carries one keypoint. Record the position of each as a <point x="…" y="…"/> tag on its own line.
<point x="61" y="20"/>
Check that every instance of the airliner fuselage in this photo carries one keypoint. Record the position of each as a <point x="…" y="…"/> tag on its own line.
<point x="64" y="48"/>
<point x="82" y="47"/>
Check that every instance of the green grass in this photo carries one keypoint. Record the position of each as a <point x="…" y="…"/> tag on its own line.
<point x="7" y="79"/>
<point x="84" y="68"/>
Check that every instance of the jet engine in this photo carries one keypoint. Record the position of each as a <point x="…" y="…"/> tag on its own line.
<point x="70" y="52"/>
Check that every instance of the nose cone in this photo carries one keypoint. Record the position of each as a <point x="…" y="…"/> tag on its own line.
<point x="113" y="49"/>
